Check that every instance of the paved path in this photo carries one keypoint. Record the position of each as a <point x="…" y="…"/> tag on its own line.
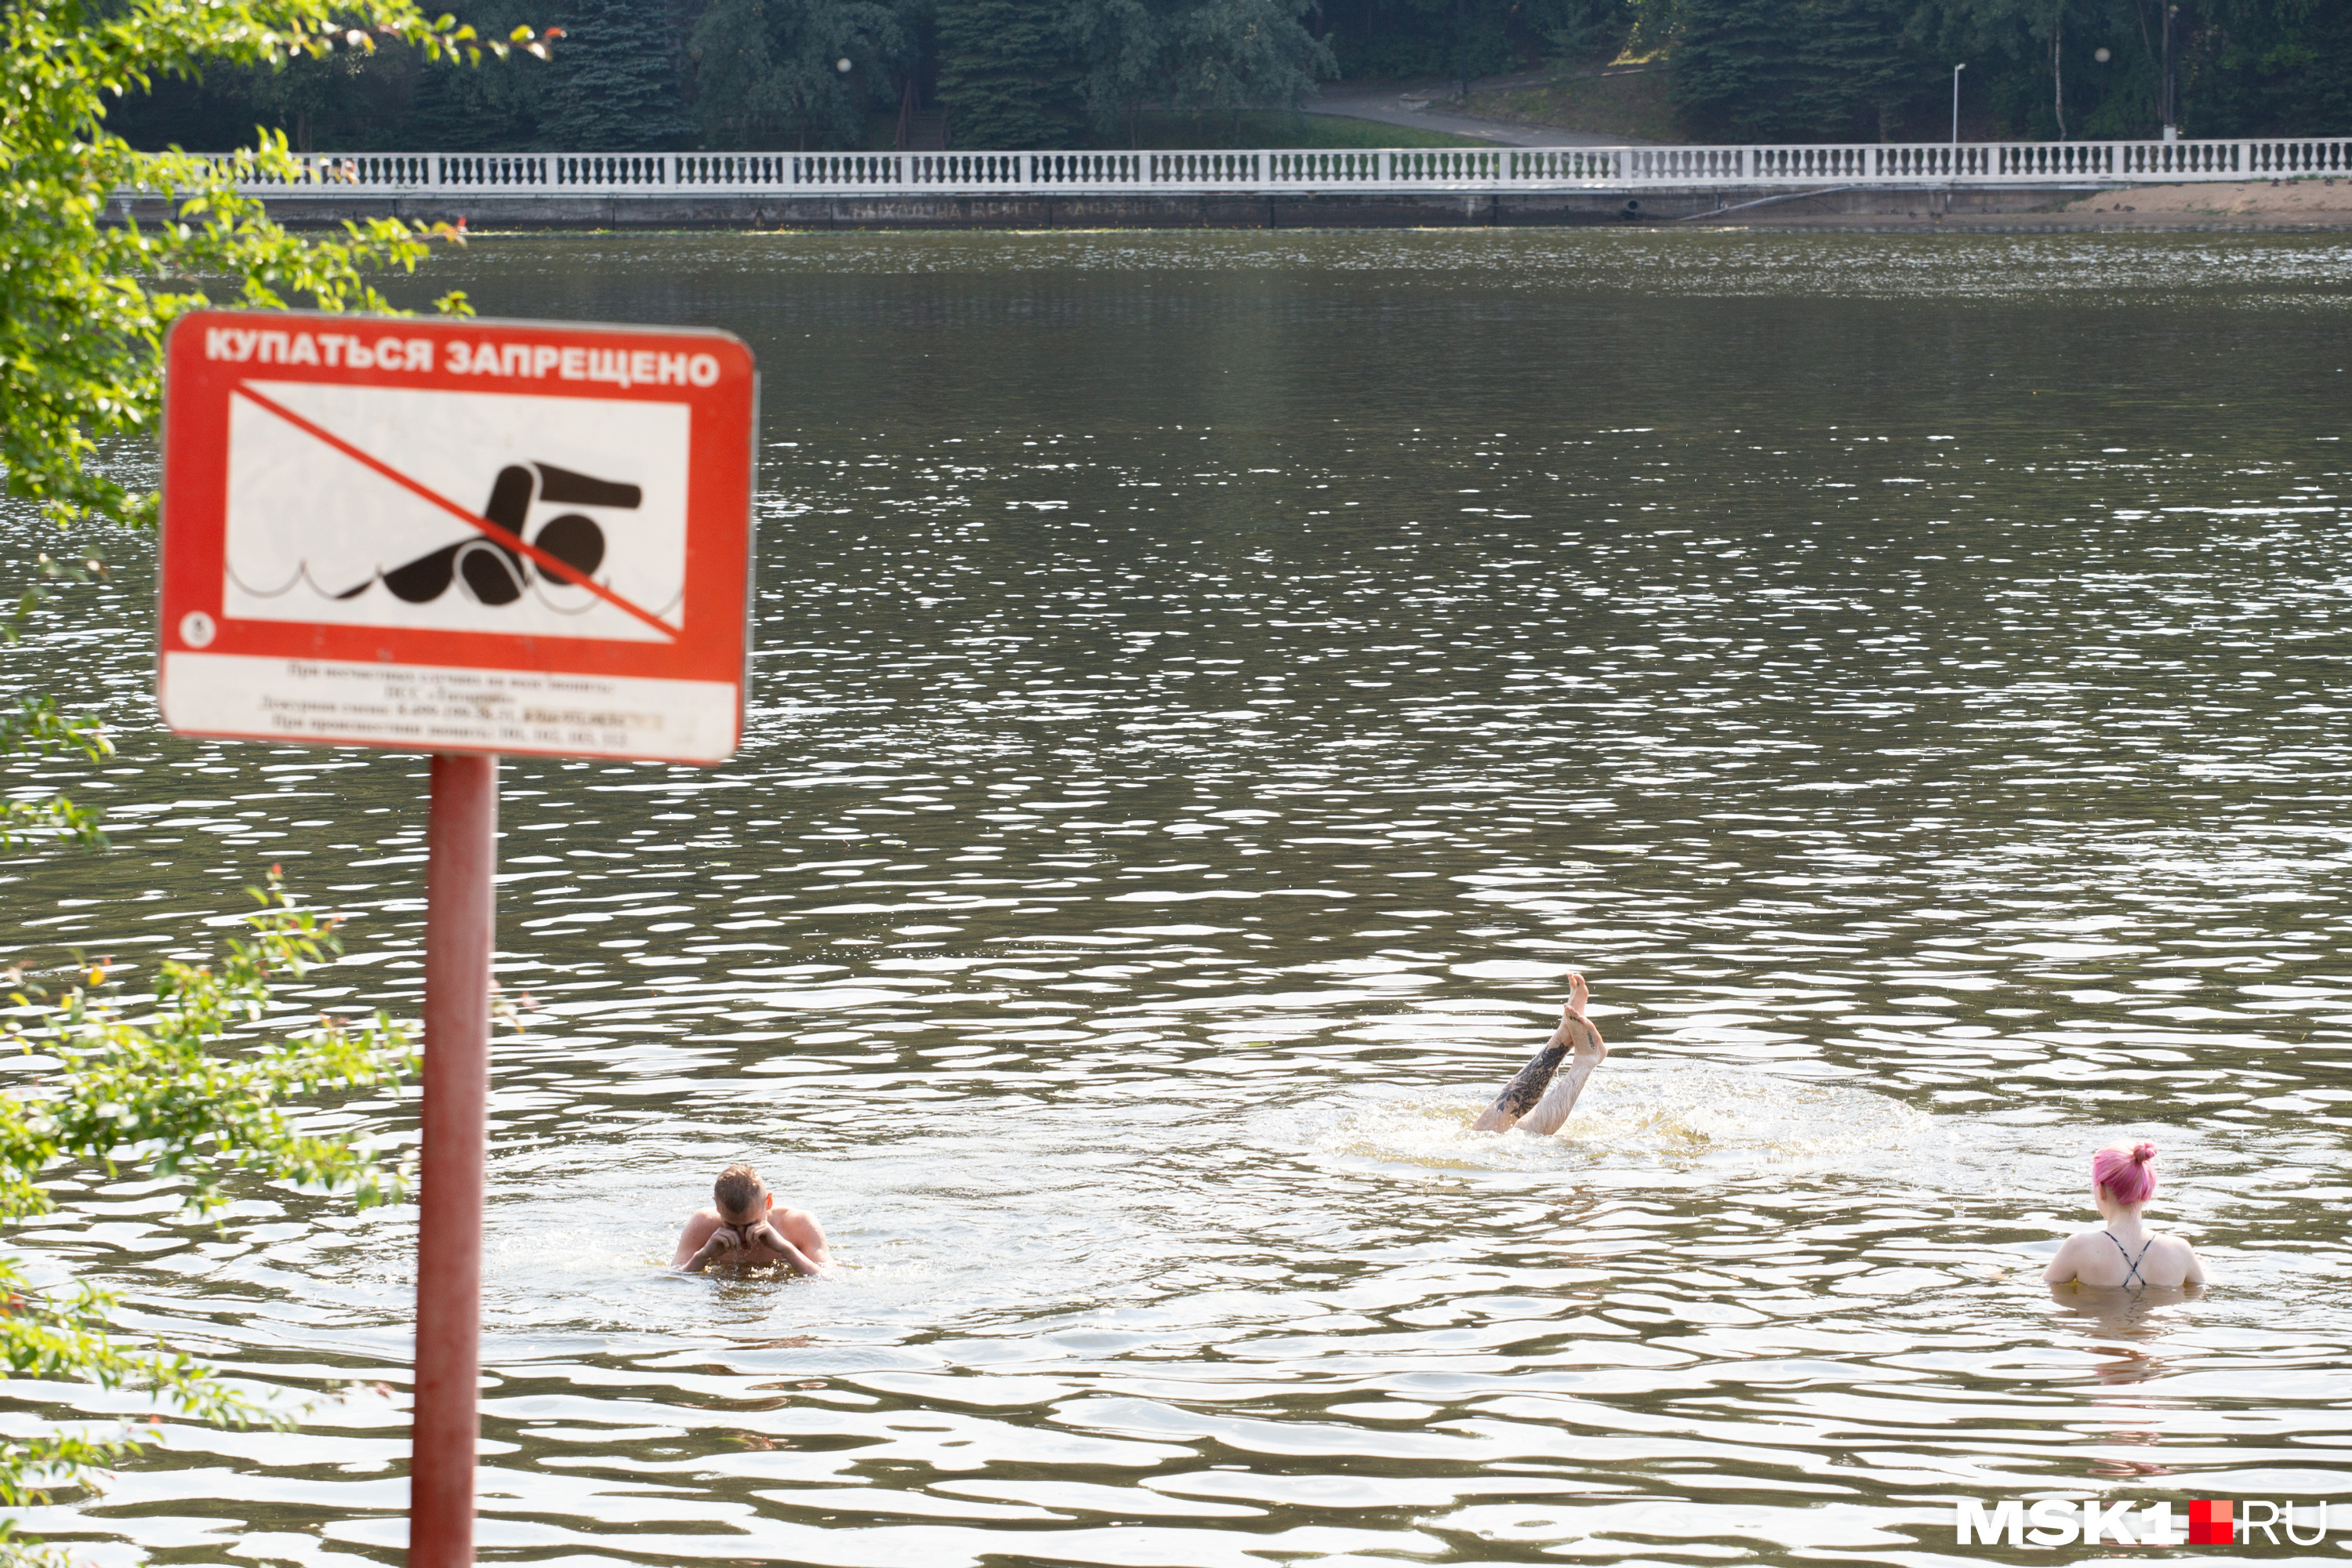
<point x="1423" y="104"/>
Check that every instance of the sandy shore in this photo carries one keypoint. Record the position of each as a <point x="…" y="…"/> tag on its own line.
<point x="2325" y="201"/>
<point x="2287" y="205"/>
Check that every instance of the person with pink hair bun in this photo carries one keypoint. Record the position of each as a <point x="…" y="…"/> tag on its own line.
<point x="2125" y="1254"/>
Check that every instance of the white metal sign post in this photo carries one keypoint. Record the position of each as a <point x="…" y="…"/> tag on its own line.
<point x="464" y="538"/>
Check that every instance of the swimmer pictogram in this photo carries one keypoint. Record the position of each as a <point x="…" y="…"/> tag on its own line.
<point x="492" y="573"/>
<point x="557" y="546"/>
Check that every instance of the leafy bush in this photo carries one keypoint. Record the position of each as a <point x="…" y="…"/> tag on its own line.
<point x="171" y="1092"/>
<point x="85" y="299"/>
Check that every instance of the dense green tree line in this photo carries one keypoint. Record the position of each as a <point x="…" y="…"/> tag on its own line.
<point x="652" y="74"/>
<point x="1808" y="69"/>
<point x="1836" y="69"/>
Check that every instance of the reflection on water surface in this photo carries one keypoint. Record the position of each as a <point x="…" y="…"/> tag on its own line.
<point x="1211" y="691"/>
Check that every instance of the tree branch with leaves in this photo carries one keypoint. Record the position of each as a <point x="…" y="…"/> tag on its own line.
<point x="86" y="293"/>
<point x="173" y="1090"/>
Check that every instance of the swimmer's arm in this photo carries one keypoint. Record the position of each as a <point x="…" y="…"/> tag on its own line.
<point x="801" y="1228"/>
<point x="2065" y="1266"/>
<point x="794" y="1257"/>
<point x="697" y="1230"/>
<point x="705" y="1239"/>
<point x="2196" y="1275"/>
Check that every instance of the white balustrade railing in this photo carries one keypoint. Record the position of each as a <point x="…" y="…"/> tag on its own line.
<point x="1464" y="170"/>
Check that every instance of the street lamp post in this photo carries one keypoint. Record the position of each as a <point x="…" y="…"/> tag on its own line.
<point x="1462" y="52"/>
<point x="2171" y="125"/>
<point x="1955" y="101"/>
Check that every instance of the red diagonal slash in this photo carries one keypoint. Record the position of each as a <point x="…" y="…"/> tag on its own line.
<point x="546" y="562"/>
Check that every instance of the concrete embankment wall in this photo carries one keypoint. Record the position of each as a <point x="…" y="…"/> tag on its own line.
<point x="1227" y="210"/>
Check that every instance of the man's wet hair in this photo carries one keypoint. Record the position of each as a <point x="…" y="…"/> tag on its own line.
<point x="735" y="1190"/>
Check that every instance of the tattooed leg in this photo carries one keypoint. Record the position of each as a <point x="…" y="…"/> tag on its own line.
<point x="1521" y="1094"/>
<point x="1525" y="1097"/>
<point x="1552" y="1111"/>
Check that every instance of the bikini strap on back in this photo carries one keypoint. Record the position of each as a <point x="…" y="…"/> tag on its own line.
<point x="2131" y="1264"/>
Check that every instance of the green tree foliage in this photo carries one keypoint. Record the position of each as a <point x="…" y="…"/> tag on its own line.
<point x="1242" y="54"/>
<point x="1121" y="43"/>
<point x="453" y="110"/>
<point x="171" y="1089"/>
<point x="1809" y="70"/>
<point x="333" y="102"/>
<point x="1856" y="67"/>
<point x="1591" y="31"/>
<point x="1736" y="68"/>
<point x="768" y="72"/>
<point x="614" y="86"/>
<point x="2283" y="68"/>
<point x="1009" y="75"/>
<point x="1794" y="70"/>
<point x="1450" y="38"/>
<point x="1835" y="70"/>
<point x="1194" y="56"/>
<point x="38" y="730"/>
<point x="84" y="303"/>
<point x="1400" y="39"/>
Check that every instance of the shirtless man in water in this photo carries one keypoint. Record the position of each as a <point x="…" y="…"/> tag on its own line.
<point x="1539" y="1099"/>
<point x="744" y="1226"/>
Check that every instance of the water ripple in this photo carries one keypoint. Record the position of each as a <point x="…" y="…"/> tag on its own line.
<point x="1211" y="691"/>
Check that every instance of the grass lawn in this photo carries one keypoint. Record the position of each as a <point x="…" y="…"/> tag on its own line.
<point x="1216" y="132"/>
<point x="1632" y="105"/>
<point x="1275" y="129"/>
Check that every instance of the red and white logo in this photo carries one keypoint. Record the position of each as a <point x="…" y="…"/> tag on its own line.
<point x="2066" y="1521"/>
<point x="438" y="535"/>
<point x="2209" y="1523"/>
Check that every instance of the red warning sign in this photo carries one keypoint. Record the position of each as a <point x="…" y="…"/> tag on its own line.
<point x="456" y="535"/>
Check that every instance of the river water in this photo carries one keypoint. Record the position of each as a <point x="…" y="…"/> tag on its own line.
<point x="1210" y="691"/>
